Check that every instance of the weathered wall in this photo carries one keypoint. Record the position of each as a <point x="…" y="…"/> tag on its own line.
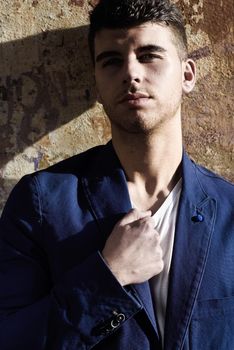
<point x="47" y="98"/>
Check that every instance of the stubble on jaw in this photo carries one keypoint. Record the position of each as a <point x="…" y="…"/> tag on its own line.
<point x="143" y="124"/>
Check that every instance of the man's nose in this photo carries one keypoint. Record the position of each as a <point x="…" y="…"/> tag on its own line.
<point x="132" y="72"/>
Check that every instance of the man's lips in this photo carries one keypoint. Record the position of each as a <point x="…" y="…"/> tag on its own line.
<point x="134" y="96"/>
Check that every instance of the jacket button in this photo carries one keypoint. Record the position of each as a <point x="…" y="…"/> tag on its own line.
<point x="110" y="325"/>
<point x="119" y="318"/>
<point x="198" y="218"/>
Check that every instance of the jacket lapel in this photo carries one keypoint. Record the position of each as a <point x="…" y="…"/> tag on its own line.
<point x="106" y="190"/>
<point x="195" y="223"/>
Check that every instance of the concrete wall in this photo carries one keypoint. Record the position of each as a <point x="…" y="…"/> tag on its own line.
<point x="47" y="99"/>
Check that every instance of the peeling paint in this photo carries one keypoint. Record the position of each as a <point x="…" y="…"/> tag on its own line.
<point x="35" y="160"/>
<point x="200" y="53"/>
<point x="76" y="2"/>
<point x="35" y="3"/>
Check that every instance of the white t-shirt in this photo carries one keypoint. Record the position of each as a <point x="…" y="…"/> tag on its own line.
<point x="165" y="221"/>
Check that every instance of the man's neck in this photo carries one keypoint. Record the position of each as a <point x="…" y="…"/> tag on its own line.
<point x="151" y="163"/>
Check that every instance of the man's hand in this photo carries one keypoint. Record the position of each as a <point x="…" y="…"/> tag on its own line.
<point x="132" y="251"/>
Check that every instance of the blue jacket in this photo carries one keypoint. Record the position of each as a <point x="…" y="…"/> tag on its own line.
<point x="56" y="292"/>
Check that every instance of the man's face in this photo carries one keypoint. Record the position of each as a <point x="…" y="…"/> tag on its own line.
<point x="139" y="76"/>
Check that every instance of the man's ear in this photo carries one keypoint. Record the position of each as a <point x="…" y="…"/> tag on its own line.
<point x="189" y="75"/>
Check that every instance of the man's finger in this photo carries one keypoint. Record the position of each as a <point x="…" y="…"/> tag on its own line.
<point x="134" y="215"/>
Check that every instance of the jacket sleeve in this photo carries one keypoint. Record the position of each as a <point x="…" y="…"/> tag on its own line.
<point x="85" y="306"/>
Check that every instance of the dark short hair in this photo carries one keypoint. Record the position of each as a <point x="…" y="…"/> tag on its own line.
<point x="115" y="14"/>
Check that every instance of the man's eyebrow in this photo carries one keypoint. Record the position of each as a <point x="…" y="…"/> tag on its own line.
<point x="152" y="48"/>
<point x="106" y="54"/>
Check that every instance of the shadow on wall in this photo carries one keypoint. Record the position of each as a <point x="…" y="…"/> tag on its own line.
<point x="45" y="81"/>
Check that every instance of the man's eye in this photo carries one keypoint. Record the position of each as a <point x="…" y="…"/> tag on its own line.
<point x="112" y="62"/>
<point x="149" y="57"/>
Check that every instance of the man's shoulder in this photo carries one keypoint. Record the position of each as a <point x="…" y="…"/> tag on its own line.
<point x="67" y="172"/>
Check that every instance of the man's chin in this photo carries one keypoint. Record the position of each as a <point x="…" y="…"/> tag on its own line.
<point x="137" y="127"/>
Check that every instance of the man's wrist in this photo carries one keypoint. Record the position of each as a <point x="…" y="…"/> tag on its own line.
<point x="115" y="272"/>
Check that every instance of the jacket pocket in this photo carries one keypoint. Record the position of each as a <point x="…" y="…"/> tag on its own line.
<point x="212" y="325"/>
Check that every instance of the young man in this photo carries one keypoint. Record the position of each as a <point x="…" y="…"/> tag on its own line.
<point x="79" y="267"/>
